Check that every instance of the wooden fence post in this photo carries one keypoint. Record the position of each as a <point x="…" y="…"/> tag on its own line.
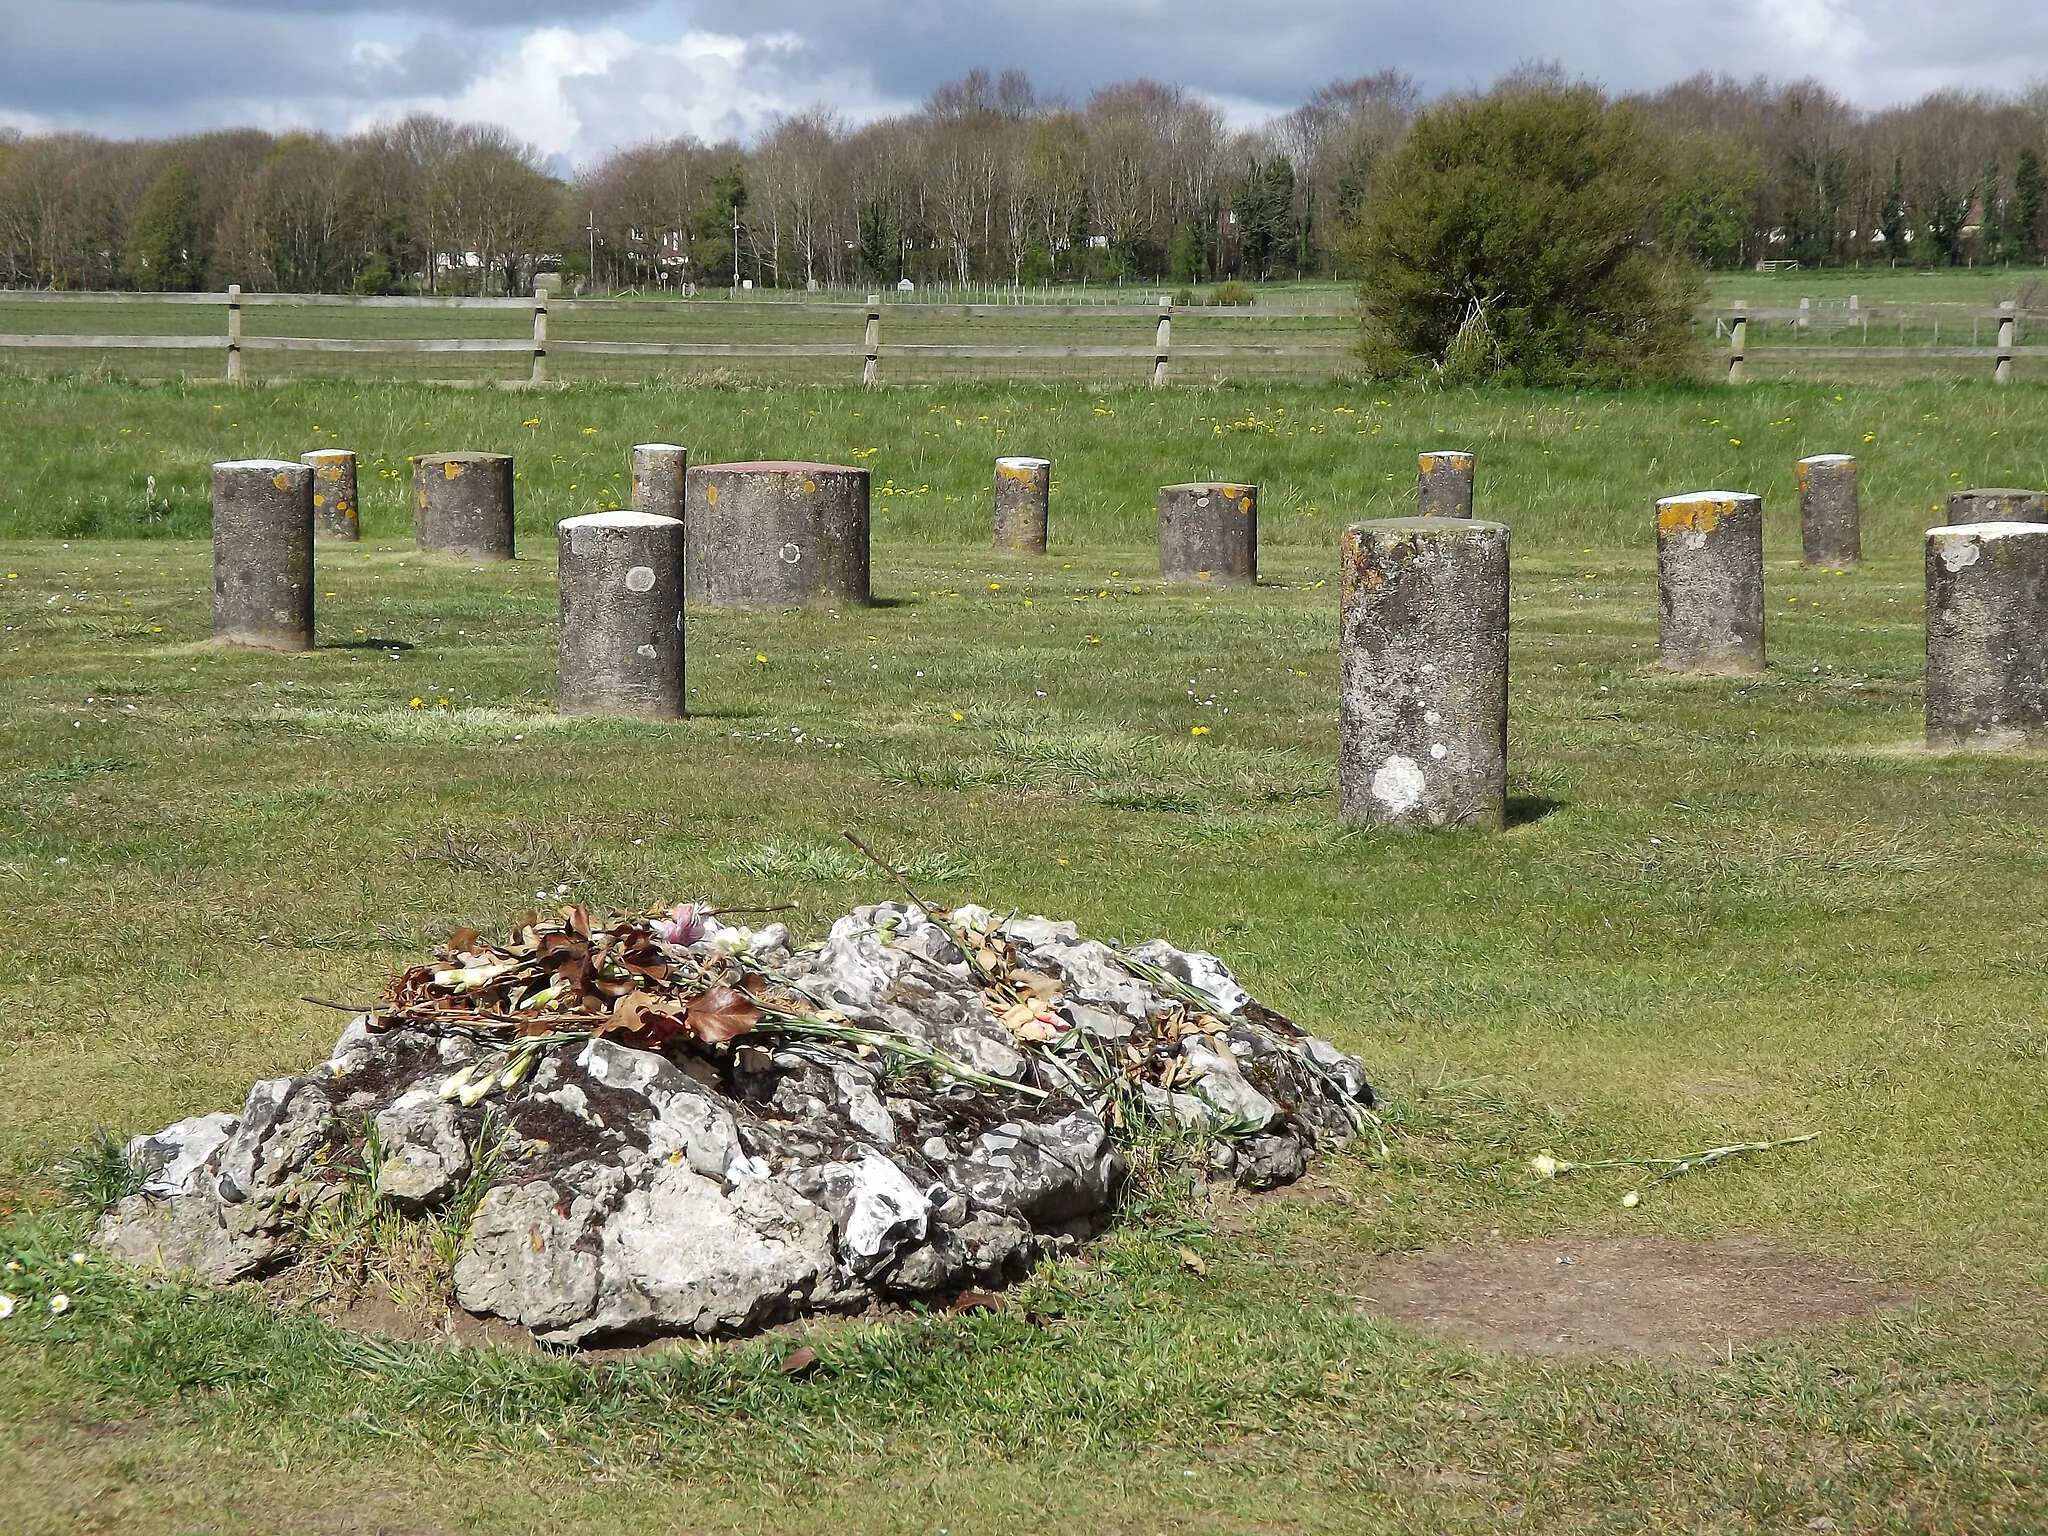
<point x="1738" y="344"/>
<point x="2008" y="320"/>
<point x="871" y="366"/>
<point x="234" y="333"/>
<point x="540" y="339"/>
<point x="1162" y="342"/>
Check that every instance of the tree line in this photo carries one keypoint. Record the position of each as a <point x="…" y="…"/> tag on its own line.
<point x="989" y="182"/>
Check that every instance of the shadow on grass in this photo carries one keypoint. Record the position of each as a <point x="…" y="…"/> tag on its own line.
<point x="371" y="644"/>
<point x="1522" y="810"/>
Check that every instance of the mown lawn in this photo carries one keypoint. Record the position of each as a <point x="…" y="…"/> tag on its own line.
<point x="1729" y="909"/>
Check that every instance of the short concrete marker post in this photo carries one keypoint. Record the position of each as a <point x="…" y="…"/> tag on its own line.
<point x="263" y="554"/>
<point x="337" y="517"/>
<point x="621" y="646"/>
<point x="1996" y="504"/>
<point x="462" y="504"/>
<point x="1023" y="501"/>
<point x="1830" y="517"/>
<point x="1209" y="533"/>
<point x="775" y="534"/>
<point x="1423" y="666"/>
<point x="1710" y="583"/>
<point x="658" y="471"/>
<point x="1987" y="636"/>
<point x="1443" y="485"/>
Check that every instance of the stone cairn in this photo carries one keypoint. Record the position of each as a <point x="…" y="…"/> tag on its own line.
<point x="337" y="516"/>
<point x="1423" y="659"/>
<point x="1209" y="532"/>
<point x="1987" y="636"/>
<point x="620" y="649"/>
<point x="715" y="1133"/>
<point x="263" y="554"/>
<point x="658" y="474"/>
<point x="776" y="534"/>
<point x="1023" y="499"/>
<point x="1443" y="485"/>
<point x="1830" y="517"/>
<point x="462" y="504"/>
<point x="1997" y="504"/>
<point x="1710" y="583"/>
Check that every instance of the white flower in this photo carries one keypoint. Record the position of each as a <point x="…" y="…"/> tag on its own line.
<point x="59" y="1304"/>
<point x="6" y="1306"/>
<point x="1632" y="1199"/>
<point x="1544" y="1166"/>
<point x="79" y="1257"/>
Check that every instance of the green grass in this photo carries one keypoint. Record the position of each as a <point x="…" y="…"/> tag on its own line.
<point x="1729" y="909"/>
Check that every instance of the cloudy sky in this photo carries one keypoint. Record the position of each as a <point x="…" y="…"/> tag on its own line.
<point x="579" y="77"/>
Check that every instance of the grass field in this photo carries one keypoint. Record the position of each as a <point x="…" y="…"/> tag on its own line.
<point x="1729" y="909"/>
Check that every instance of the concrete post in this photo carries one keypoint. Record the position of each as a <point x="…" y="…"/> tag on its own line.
<point x="775" y="534"/>
<point x="1162" y="341"/>
<point x="1987" y="636"/>
<point x="1997" y="504"/>
<point x="1710" y="582"/>
<point x="462" y="504"/>
<point x="1023" y="497"/>
<point x="234" y="333"/>
<point x="539" y="376"/>
<point x="263" y="554"/>
<point x="1423" y="666"/>
<point x="2008" y="322"/>
<point x="621" y="645"/>
<point x="1738" y="343"/>
<point x="871" y="366"/>
<point x="1443" y="485"/>
<point x="1830" y="516"/>
<point x="658" y="471"/>
<point x="1209" y="532"/>
<point x="337" y="517"/>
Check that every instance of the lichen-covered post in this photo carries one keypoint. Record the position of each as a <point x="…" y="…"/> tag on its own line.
<point x="775" y="534"/>
<point x="1423" y="666"/>
<point x="263" y="554"/>
<point x="1443" y="485"/>
<point x="336" y="516"/>
<point x="1830" y="518"/>
<point x="462" y="504"/>
<point x="1209" y="532"/>
<point x="658" y="473"/>
<point x="1987" y="636"/>
<point x="1997" y="504"/>
<point x="1710" y="582"/>
<point x="621" y="645"/>
<point x="1023" y="499"/>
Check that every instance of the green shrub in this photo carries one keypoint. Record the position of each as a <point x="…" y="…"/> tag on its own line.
<point x="1510" y="239"/>
<point x="1233" y="294"/>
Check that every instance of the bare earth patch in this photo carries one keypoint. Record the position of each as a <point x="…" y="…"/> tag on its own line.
<point x="1620" y="1295"/>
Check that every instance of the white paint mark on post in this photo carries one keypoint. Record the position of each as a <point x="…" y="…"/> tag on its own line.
<point x="640" y="579"/>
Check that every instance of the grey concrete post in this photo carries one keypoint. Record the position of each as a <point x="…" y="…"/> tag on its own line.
<point x="1023" y="499"/>
<point x="234" y="333"/>
<point x="1830" y="516"/>
<point x="658" y="472"/>
<point x="1710" y="582"/>
<point x="539" y="376"/>
<point x="766" y="535"/>
<point x="871" y="344"/>
<point x="621" y="645"/>
<point x="1423" y="666"/>
<point x="2008" y="321"/>
<point x="1997" y="504"/>
<point x="1738" y="343"/>
<point x="263" y="554"/>
<point x="1987" y="636"/>
<point x="1443" y="485"/>
<point x="1162" y="341"/>
<point x="337" y="517"/>
<point x="462" y="504"/>
<point x="1209" y="532"/>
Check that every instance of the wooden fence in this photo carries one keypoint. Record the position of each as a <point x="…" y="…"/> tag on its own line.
<point x="1801" y="327"/>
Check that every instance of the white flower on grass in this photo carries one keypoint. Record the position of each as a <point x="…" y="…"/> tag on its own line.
<point x="1544" y="1166"/>
<point x="1632" y="1199"/>
<point x="6" y="1306"/>
<point x="79" y="1257"/>
<point x="59" y="1304"/>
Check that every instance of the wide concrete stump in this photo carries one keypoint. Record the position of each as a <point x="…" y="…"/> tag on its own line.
<point x="263" y="554"/>
<point x="1423" y="673"/>
<point x="462" y="504"/>
<point x="775" y="534"/>
<point x="1987" y="636"/>
<point x="1443" y="485"/>
<point x="1996" y="504"/>
<point x="1830" y="516"/>
<point x="658" y="473"/>
<point x="1209" y="532"/>
<point x="1710" y="583"/>
<point x="1023" y="502"/>
<point x="621" y="645"/>
<point x="337" y="517"/>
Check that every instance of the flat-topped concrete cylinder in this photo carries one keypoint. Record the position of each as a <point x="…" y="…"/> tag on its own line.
<point x="775" y="534"/>
<point x="1423" y="668"/>
<point x="658" y="472"/>
<point x="1996" y="504"/>
<point x="337" y="517"/>
<point x="1987" y="636"/>
<point x="1209" y="532"/>
<point x="1830" y="515"/>
<point x="263" y="554"/>
<point x="1710" y="583"/>
<point x="621" y="646"/>
<point x="1443" y="484"/>
<point x="1023" y="504"/>
<point x="462" y="504"/>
